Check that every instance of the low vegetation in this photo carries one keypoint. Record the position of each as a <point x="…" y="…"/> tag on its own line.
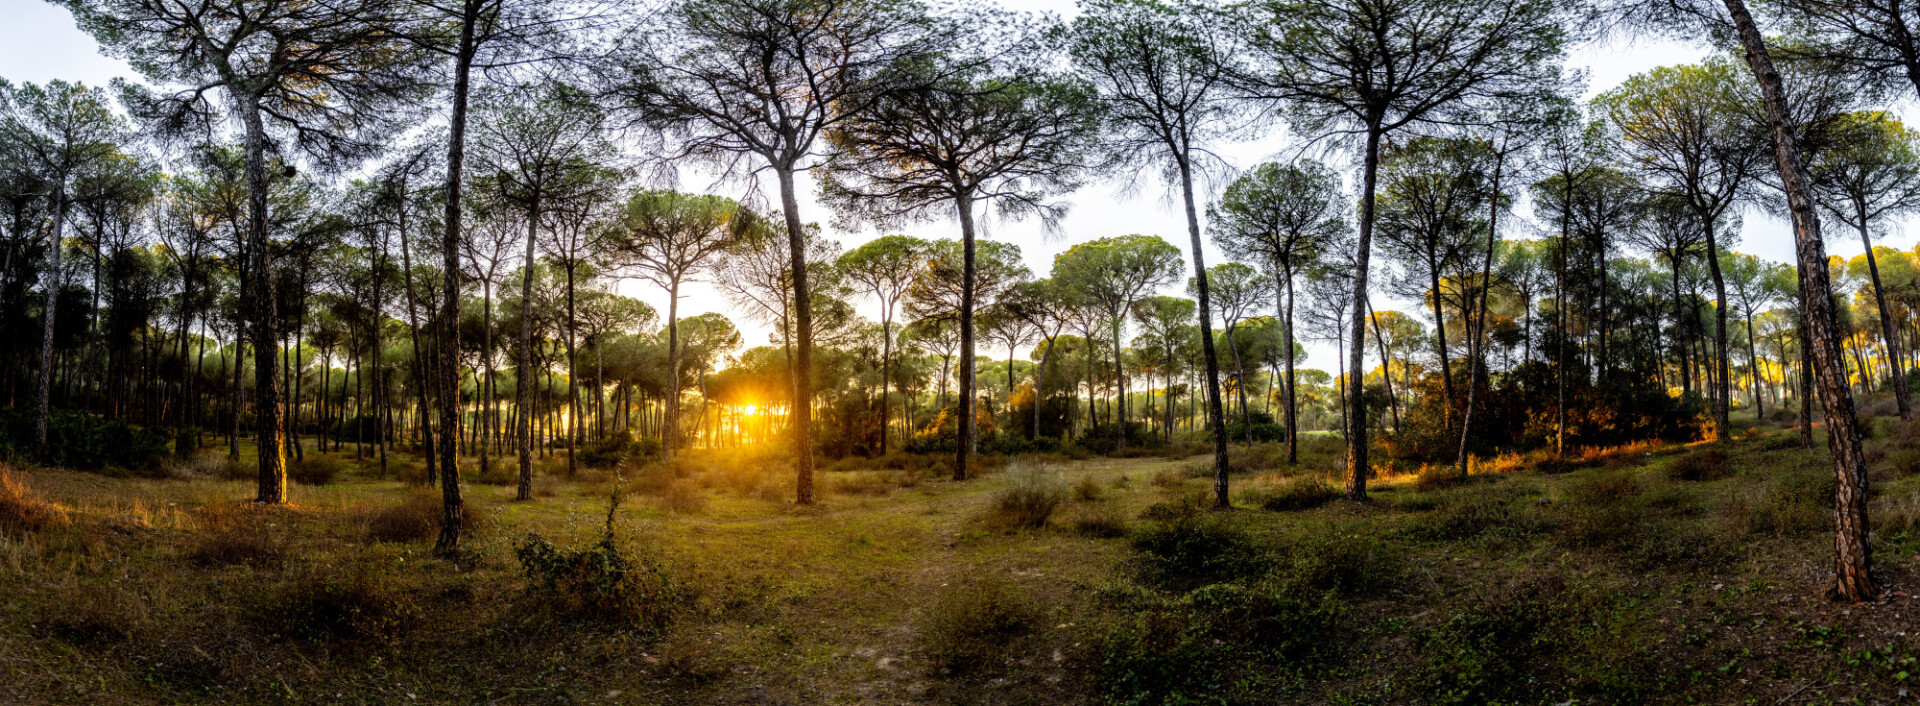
<point x="1650" y="574"/>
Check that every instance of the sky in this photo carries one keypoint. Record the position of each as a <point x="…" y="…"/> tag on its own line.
<point x="39" y="42"/>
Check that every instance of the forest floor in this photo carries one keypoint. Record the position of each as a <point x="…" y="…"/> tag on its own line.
<point x="1644" y="574"/>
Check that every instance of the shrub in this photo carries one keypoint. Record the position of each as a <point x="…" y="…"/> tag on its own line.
<point x="499" y="471"/>
<point x="417" y="517"/>
<point x="1904" y="461"/>
<point x="1439" y="477"/>
<point x="972" y="622"/>
<point x="1028" y="499"/>
<point x="1193" y="549"/>
<point x="1470" y="514"/>
<point x="1703" y="465"/>
<point x="1299" y="493"/>
<point x="326" y="606"/>
<point x="607" y="452"/>
<point x="1222" y="643"/>
<point x="239" y="534"/>
<point x="683" y="497"/>
<point x="21" y="510"/>
<point x="1086" y="489"/>
<point x="599" y="582"/>
<point x="1101" y="521"/>
<point x="319" y="470"/>
<point x="82" y="440"/>
<point x="1342" y="562"/>
<point x="1169" y="480"/>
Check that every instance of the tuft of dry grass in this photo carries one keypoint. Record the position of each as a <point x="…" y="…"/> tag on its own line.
<point x="1086" y="489"/>
<point x="968" y="627"/>
<point x="1702" y="465"/>
<point x="1105" y="520"/>
<point x="21" y="510"/>
<point x="417" y="517"/>
<point x="1299" y="493"/>
<point x="1028" y="500"/>
<point x="238" y="534"/>
<point x="683" y="497"/>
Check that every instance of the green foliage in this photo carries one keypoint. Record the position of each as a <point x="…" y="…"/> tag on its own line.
<point x="323" y="606"/>
<point x="599" y="582"/>
<point x="82" y="440"/>
<point x="1029" y="499"/>
<point x="605" y="453"/>
<point x="1540" y="640"/>
<point x="1219" y="643"/>
<point x="971" y="624"/>
<point x="1299" y="493"/>
<point x="1705" y="464"/>
<point x="1193" y="549"/>
<point x="318" y="470"/>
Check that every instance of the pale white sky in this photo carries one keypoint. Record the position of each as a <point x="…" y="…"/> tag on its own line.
<point x="38" y="42"/>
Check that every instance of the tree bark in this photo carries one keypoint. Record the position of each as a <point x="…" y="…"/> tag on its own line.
<point x="1853" y="560"/>
<point x="964" y="439"/>
<point x="447" y="352"/>
<point x="46" y="339"/>
<point x="802" y="408"/>
<point x="1216" y="418"/>
<point x="1357" y="466"/>
<point x="266" y="315"/>
<point x="1897" y="366"/>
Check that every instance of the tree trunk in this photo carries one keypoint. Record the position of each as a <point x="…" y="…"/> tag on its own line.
<point x="1719" y="371"/>
<point x="1216" y="418"/>
<point x="1357" y="466"/>
<point x="1286" y="337"/>
<point x="1476" y="354"/>
<point x="1886" y="324"/>
<point x="46" y="339"/>
<point x="964" y="440"/>
<point x="266" y="314"/>
<point x="447" y="352"/>
<point x="802" y="409"/>
<point x="1853" y="561"/>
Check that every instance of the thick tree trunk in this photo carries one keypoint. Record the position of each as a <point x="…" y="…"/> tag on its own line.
<point x="447" y="355"/>
<point x="266" y="315"/>
<point x="1853" y="560"/>
<point x="802" y="407"/>
<point x="1357" y="466"/>
<point x="964" y="440"/>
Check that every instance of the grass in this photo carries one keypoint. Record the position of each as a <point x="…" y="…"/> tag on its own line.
<point x="1617" y="579"/>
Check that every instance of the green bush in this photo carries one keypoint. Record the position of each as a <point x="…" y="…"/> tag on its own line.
<point x="1342" y="562"/>
<point x="1222" y="643"/>
<point x="1029" y="499"/>
<point x="1703" y="465"/>
<point x="82" y="440"/>
<point x="1302" y="493"/>
<point x="599" y="582"/>
<point x="607" y="452"/>
<point x="318" y="470"/>
<point x="326" y="607"/>
<point x="1192" y="549"/>
<point x="970" y="624"/>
